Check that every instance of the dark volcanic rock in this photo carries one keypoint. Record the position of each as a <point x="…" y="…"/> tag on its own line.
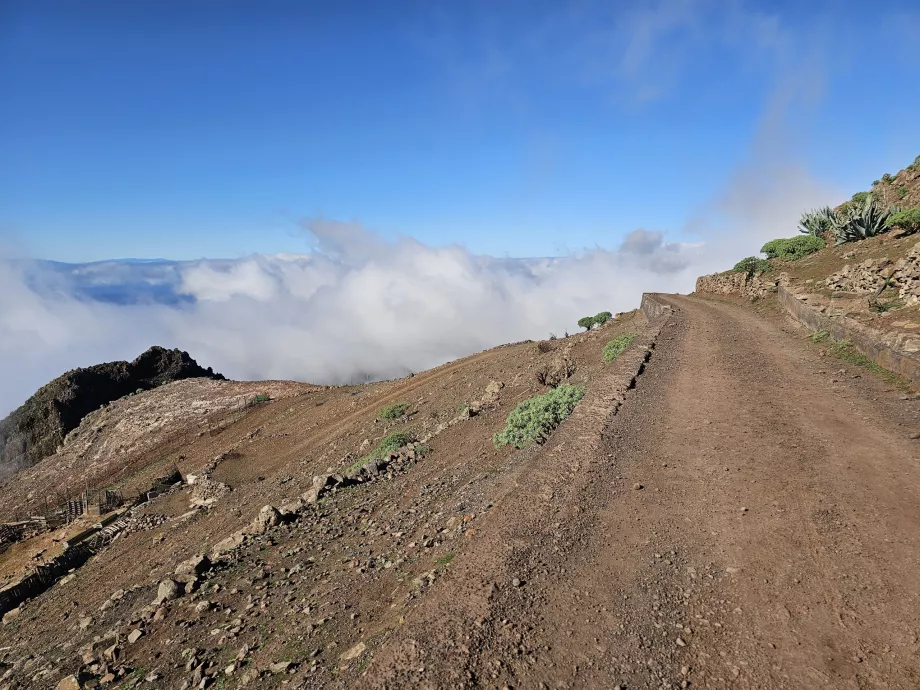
<point x="35" y="430"/>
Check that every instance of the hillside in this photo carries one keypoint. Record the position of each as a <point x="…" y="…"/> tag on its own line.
<point x="699" y="520"/>
<point x="36" y="429"/>
<point x="864" y="279"/>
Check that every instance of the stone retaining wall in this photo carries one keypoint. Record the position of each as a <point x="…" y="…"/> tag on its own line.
<point x="654" y="308"/>
<point x="887" y="350"/>
<point x="731" y="283"/>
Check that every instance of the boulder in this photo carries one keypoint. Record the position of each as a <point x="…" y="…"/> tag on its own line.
<point x="167" y="591"/>
<point x="267" y="518"/>
<point x="196" y="565"/>
<point x="69" y="683"/>
<point x="231" y="543"/>
<point x="293" y="509"/>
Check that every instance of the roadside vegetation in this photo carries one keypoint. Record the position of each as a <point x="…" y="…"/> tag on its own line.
<point x="535" y="418"/>
<point x="751" y="266"/>
<point x="885" y="208"/>
<point x="394" y="411"/>
<point x="391" y="443"/>
<point x="845" y="350"/>
<point x="793" y="248"/>
<point x="615" y="347"/>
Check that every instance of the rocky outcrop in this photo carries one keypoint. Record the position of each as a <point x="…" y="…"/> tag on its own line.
<point x="35" y="430"/>
<point x="731" y="283"/>
<point x="873" y="275"/>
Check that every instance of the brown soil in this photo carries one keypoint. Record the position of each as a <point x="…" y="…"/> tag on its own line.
<point x="773" y="542"/>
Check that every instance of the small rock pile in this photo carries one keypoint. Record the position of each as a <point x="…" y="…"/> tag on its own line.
<point x="206" y="492"/>
<point x="142" y="523"/>
<point x="867" y="276"/>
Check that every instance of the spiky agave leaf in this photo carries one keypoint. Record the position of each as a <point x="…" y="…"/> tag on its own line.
<point x="818" y="221"/>
<point x="859" y="221"/>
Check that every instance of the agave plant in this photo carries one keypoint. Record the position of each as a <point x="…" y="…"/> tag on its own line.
<point x="818" y="222"/>
<point x="858" y="221"/>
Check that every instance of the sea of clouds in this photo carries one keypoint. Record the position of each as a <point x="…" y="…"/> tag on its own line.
<point x="359" y="307"/>
<point x="356" y="308"/>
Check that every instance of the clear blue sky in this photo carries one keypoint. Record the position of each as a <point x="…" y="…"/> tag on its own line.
<point x="188" y="129"/>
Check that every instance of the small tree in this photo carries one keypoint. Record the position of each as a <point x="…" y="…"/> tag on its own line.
<point x="603" y="318"/>
<point x="586" y="322"/>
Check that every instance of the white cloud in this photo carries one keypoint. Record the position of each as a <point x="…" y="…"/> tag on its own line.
<point x="359" y="307"/>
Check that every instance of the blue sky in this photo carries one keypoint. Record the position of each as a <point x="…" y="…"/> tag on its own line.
<point x="185" y="130"/>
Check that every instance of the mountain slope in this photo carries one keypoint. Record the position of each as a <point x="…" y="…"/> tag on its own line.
<point x="36" y="429"/>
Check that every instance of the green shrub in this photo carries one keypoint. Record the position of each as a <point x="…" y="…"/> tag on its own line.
<point x="887" y="178"/>
<point x="615" y="347"/>
<point x="602" y="318"/>
<point x="907" y="221"/>
<point x="394" y="411"/>
<point x="902" y="192"/>
<point x="751" y="265"/>
<point x="915" y="164"/>
<point x="860" y="197"/>
<point x="586" y="322"/>
<point x="259" y="399"/>
<point x="819" y="336"/>
<point x="390" y="444"/>
<point x="792" y="248"/>
<point x="535" y="418"/>
<point x="875" y="182"/>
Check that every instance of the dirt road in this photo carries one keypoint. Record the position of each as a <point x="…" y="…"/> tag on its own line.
<point x="752" y="521"/>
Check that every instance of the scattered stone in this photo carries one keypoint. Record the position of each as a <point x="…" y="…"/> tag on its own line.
<point x="281" y="667"/>
<point x="135" y="635"/>
<point x="680" y="642"/>
<point x="69" y="683"/>
<point x="516" y="582"/>
<point x="231" y="543"/>
<point x="112" y="654"/>
<point x="354" y="652"/>
<point x="637" y="486"/>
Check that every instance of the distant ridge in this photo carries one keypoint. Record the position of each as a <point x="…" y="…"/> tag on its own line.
<point x="35" y="430"/>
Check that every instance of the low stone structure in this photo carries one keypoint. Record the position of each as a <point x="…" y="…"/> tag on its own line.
<point x="731" y="283"/>
<point x="897" y="352"/>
